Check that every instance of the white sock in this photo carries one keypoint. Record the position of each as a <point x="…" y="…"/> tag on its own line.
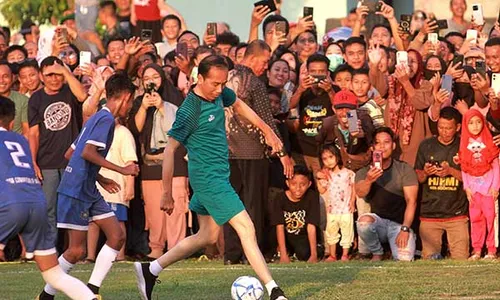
<point x="72" y="287"/>
<point x="66" y="267"/>
<point x="270" y="286"/>
<point x="103" y="264"/>
<point x="155" y="268"/>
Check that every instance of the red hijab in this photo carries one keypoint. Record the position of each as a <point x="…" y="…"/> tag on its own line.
<point x="477" y="152"/>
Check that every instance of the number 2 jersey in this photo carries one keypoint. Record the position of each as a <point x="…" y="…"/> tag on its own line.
<point x="18" y="182"/>
<point x="80" y="176"/>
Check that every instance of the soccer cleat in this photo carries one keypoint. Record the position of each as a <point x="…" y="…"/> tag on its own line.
<point x="44" y="296"/>
<point x="145" y="280"/>
<point x="277" y="294"/>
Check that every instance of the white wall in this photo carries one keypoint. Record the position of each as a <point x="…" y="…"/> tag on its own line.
<point x="441" y="8"/>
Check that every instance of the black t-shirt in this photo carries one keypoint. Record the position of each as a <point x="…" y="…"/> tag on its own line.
<point x="296" y="215"/>
<point x="386" y="196"/>
<point x="313" y="109"/>
<point x="441" y="197"/>
<point x="59" y="118"/>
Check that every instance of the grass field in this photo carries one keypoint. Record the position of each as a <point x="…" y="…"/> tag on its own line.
<point x="354" y="280"/>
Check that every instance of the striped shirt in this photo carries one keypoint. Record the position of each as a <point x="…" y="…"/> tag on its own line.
<point x="375" y="112"/>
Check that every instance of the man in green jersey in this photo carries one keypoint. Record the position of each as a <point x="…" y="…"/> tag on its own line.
<point x="200" y="127"/>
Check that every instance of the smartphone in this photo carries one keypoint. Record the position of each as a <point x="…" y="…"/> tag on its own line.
<point x="477" y="13"/>
<point x="308" y="11"/>
<point x="481" y="68"/>
<point x="212" y="28"/>
<point x="146" y="35"/>
<point x="318" y="78"/>
<point x="433" y="37"/>
<point x="442" y="24"/>
<point x="352" y="118"/>
<point x="85" y="58"/>
<point x="447" y="82"/>
<point x="378" y="6"/>
<point x="405" y="22"/>
<point x="182" y="49"/>
<point x="458" y="58"/>
<point x="63" y="34"/>
<point x="435" y="163"/>
<point x="280" y="27"/>
<point x="495" y="82"/>
<point x="268" y="3"/>
<point x="402" y="58"/>
<point x="472" y="34"/>
<point x="377" y="159"/>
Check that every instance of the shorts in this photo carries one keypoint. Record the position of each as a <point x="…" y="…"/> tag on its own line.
<point x="30" y="221"/>
<point x="221" y="202"/>
<point x="75" y="214"/>
<point x="120" y="211"/>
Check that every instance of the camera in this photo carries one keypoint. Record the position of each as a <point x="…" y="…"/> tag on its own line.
<point x="150" y="88"/>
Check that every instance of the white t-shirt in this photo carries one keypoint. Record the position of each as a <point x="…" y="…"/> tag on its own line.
<point x="164" y="48"/>
<point x="122" y="151"/>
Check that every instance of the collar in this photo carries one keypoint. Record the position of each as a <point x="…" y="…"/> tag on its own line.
<point x="2" y="129"/>
<point x="105" y="108"/>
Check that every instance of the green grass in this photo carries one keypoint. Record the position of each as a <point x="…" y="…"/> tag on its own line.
<point x="354" y="280"/>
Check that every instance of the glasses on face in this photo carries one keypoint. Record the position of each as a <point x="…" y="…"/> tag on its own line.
<point x="68" y="54"/>
<point x="309" y="40"/>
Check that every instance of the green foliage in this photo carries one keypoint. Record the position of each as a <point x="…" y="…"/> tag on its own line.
<point x="39" y="11"/>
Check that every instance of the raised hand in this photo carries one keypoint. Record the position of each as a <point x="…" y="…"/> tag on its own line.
<point x="362" y="13"/>
<point x="305" y="23"/>
<point x="259" y="13"/>
<point x="133" y="45"/>
<point x="386" y="11"/>
<point x="374" y="55"/>
<point x="455" y="70"/>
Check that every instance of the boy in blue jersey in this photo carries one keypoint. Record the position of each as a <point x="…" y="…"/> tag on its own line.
<point x="79" y="201"/>
<point x="23" y="209"/>
<point x="200" y="127"/>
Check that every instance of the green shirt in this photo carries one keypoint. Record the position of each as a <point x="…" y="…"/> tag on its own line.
<point x="21" y="102"/>
<point x="200" y="126"/>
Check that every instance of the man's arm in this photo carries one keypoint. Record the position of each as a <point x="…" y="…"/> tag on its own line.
<point x="34" y="142"/>
<point x="410" y="193"/>
<point x="311" y="237"/>
<point x="75" y="86"/>
<point x="167" y="201"/>
<point x="91" y="155"/>
<point x="25" y="129"/>
<point x="280" y="235"/>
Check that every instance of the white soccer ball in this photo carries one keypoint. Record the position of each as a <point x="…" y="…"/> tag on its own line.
<point x="247" y="288"/>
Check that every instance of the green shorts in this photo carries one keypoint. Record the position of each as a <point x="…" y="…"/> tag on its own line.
<point x="220" y="201"/>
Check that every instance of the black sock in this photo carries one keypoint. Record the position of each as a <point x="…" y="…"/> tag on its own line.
<point x="93" y="288"/>
<point x="45" y="296"/>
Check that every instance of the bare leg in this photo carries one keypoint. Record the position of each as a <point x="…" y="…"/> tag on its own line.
<point x="92" y="238"/>
<point x="121" y="255"/>
<point x="208" y="234"/>
<point x="245" y="229"/>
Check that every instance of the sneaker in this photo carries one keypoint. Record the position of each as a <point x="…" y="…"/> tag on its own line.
<point x="44" y="296"/>
<point x="145" y="280"/>
<point x="277" y="294"/>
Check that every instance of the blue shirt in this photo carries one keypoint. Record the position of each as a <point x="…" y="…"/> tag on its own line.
<point x="79" y="178"/>
<point x="18" y="182"/>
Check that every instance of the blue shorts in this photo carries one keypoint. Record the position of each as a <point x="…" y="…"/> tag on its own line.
<point x="75" y="214"/>
<point x="29" y="220"/>
<point x="120" y="210"/>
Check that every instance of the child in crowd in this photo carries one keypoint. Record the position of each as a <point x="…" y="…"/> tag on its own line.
<point x="361" y="87"/>
<point x="478" y="157"/>
<point x="342" y="77"/>
<point x="336" y="186"/>
<point x="296" y="217"/>
<point x="121" y="153"/>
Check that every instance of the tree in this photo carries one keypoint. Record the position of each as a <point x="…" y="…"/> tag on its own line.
<point x="40" y="11"/>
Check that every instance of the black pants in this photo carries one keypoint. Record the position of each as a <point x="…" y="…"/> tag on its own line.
<point x="299" y="245"/>
<point x="250" y="180"/>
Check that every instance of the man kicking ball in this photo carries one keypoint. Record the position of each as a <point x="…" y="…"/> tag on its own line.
<point x="23" y="208"/>
<point x="200" y="127"/>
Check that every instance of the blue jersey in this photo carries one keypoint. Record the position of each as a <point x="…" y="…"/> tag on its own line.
<point x="79" y="178"/>
<point x="18" y="182"/>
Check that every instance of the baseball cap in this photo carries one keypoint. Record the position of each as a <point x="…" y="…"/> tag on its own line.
<point x="345" y="99"/>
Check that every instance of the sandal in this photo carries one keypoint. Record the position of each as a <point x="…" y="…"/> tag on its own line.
<point x="490" y="257"/>
<point x="475" y="256"/>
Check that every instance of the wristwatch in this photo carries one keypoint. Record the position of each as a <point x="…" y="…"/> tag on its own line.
<point x="405" y="228"/>
<point x="281" y="153"/>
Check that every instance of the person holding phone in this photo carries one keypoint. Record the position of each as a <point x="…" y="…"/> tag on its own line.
<point x="457" y="23"/>
<point x="171" y="29"/>
<point x="391" y="217"/>
<point x="109" y="18"/>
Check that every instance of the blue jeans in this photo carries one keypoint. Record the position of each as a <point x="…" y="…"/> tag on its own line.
<point x="385" y="231"/>
<point x="51" y="180"/>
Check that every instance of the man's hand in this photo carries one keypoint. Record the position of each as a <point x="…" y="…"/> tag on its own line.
<point x="258" y="14"/>
<point x="380" y="100"/>
<point x="277" y="40"/>
<point x="362" y="13"/>
<point x="373" y="174"/>
<point x="133" y="45"/>
<point x="374" y="55"/>
<point x="386" y="11"/>
<point x="402" y="239"/>
<point x="430" y="169"/>
<point x="109" y="185"/>
<point x="479" y="83"/>
<point x="167" y="202"/>
<point x="444" y="170"/>
<point x="38" y="172"/>
<point x="273" y="141"/>
<point x="288" y="165"/>
<point x="326" y="84"/>
<point x="182" y="63"/>
<point x="130" y="169"/>
<point x="404" y="35"/>
<point x="304" y="24"/>
<point x="284" y="258"/>
<point x="209" y="39"/>
<point x="462" y="106"/>
<point x="430" y="25"/>
<point x="306" y="81"/>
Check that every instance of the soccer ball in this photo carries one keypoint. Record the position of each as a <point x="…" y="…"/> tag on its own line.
<point x="247" y="288"/>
